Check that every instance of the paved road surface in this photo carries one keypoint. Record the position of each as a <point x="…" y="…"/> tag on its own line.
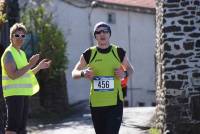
<point x="135" y="121"/>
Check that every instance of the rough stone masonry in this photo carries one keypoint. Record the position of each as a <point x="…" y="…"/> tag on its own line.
<point x="178" y="66"/>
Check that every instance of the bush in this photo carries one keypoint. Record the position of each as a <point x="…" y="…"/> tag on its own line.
<point x="51" y="45"/>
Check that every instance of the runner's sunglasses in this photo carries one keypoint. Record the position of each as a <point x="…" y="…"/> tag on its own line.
<point x="102" y="31"/>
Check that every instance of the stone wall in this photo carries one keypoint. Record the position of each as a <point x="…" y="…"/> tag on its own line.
<point x="178" y="66"/>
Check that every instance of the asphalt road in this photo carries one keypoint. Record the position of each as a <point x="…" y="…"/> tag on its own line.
<point x="135" y="121"/>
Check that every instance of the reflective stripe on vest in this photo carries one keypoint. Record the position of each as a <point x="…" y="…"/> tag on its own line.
<point x="17" y="86"/>
<point x="24" y="76"/>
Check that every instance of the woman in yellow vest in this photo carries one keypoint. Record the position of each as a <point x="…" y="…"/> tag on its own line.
<point x="101" y="65"/>
<point x="18" y="80"/>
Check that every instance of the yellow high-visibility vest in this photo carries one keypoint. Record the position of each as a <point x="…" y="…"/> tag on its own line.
<point x="26" y="85"/>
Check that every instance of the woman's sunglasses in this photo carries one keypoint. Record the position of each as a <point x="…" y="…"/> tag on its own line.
<point x="20" y="35"/>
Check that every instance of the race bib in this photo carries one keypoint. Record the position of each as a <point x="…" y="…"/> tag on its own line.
<point x="103" y="83"/>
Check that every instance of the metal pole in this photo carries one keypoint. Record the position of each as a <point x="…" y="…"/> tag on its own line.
<point x="92" y="5"/>
<point x="130" y="56"/>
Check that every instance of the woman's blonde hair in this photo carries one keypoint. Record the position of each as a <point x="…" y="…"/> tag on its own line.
<point x="17" y="27"/>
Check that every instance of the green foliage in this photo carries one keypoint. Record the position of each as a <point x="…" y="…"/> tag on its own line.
<point x="154" y="131"/>
<point x="2" y="18"/>
<point x="52" y="44"/>
<point x="2" y="13"/>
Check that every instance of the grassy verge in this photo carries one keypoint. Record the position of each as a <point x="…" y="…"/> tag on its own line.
<point x="154" y="131"/>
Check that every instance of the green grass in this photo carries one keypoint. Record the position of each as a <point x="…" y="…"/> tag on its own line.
<point x="154" y="131"/>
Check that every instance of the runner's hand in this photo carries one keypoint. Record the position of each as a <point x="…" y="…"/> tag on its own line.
<point x="119" y="73"/>
<point x="88" y="73"/>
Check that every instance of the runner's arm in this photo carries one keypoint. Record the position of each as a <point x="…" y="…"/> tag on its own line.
<point x="127" y="65"/>
<point x="78" y="69"/>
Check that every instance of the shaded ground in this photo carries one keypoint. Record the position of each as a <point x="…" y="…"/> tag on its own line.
<point x="136" y="120"/>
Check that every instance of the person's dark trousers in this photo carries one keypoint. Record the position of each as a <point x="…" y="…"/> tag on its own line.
<point x="107" y="120"/>
<point x="124" y="91"/>
<point x="17" y="113"/>
<point x="2" y="112"/>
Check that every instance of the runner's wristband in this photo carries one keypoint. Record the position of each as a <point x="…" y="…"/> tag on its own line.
<point x="82" y="73"/>
<point x="125" y="74"/>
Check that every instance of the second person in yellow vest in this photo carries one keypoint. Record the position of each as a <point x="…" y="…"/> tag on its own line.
<point x="18" y="79"/>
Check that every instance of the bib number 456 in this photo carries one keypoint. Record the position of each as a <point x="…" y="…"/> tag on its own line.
<point x="103" y="84"/>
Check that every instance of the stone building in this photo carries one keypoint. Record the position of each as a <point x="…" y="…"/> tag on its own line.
<point x="178" y="66"/>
